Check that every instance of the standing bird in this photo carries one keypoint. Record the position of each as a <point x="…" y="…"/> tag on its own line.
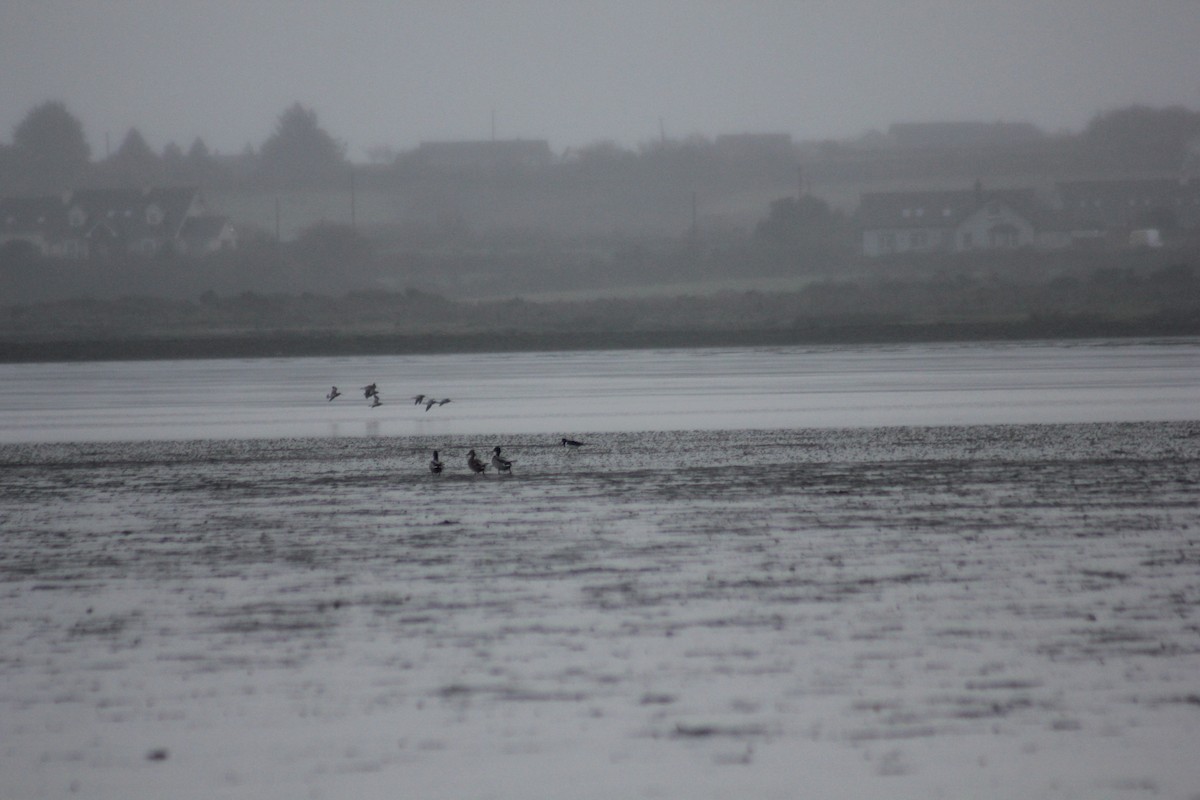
<point x="500" y="463"/>
<point x="572" y="443"/>
<point x="435" y="464"/>
<point x="333" y="392"/>
<point x="475" y="464"/>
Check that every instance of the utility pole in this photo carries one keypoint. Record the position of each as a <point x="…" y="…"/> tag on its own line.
<point x="695" y="221"/>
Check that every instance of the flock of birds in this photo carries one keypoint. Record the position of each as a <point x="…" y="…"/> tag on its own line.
<point x="501" y="464"/>
<point x="476" y="465"/>
<point x="371" y="392"/>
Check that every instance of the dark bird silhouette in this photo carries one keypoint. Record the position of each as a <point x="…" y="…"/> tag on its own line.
<point x="499" y="462"/>
<point x="572" y="443"/>
<point x="435" y="464"/>
<point x="474" y="463"/>
<point x="370" y="390"/>
<point x="376" y="402"/>
<point x="333" y="392"/>
<point x="417" y="399"/>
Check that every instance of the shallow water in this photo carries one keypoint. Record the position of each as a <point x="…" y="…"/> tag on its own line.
<point x="611" y="391"/>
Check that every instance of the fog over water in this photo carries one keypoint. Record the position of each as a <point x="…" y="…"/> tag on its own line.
<point x="570" y="393"/>
<point x="398" y="73"/>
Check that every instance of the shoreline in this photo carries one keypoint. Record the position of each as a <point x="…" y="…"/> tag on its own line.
<point x="299" y="343"/>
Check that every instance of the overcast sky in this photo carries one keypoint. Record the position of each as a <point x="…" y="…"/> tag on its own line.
<point x="393" y="72"/>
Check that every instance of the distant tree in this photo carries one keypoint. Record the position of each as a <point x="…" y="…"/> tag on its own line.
<point x="791" y="221"/>
<point x="803" y="232"/>
<point x="300" y="152"/>
<point x="198" y="154"/>
<point x="603" y="157"/>
<point x="202" y="167"/>
<point x="174" y="163"/>
<point x="8" y="166"/>
<point x="1141" y="136"/>
<point x="134" y="163"/>
<point x="50" y="151"/>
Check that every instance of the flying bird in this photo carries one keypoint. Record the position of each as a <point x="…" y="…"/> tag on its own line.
<point x="370" y="390"/>
<point x="430" y="403"/>
<point x="376" y="403"/>
<point x="417" y="399"/>
<point x="474" y="463"/>
<point x="500" y="463"/>
<point x="435" y="464"/>
<point x="333" y="392"/>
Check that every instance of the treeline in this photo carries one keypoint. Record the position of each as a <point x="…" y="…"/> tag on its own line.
<point x="49" y="152"/>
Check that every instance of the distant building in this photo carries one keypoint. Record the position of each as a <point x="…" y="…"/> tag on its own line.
<point x="489" y="155"/>
<point x="747" y="146"/>
<point x="1119" y="206"/>
<point x="962" y="135"/>
<point x="947" y="221"/>
<point x="94" y="223"/>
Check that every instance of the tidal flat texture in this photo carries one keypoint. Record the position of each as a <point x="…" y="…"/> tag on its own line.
<point x="907" y="612"/>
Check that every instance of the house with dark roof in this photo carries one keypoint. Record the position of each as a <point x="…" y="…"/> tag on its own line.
<point x="1116" y="207"/>
<point x="962" y="135"/>
<point x="95" y="223"/>
<point x="893" y="223"/>
<point x="40" y="225"/>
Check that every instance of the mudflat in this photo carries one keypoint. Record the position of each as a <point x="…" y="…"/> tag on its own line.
<point x="905" y="612"/>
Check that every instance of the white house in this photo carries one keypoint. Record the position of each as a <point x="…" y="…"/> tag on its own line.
<point x="947" y="221"/>
<point x="98" y="222"/>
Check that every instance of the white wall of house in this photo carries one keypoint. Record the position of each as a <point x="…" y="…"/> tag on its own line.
<point x="994" y="227"/>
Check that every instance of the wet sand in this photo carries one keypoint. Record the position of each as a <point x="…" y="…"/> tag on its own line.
<point x="987" y="611"/>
